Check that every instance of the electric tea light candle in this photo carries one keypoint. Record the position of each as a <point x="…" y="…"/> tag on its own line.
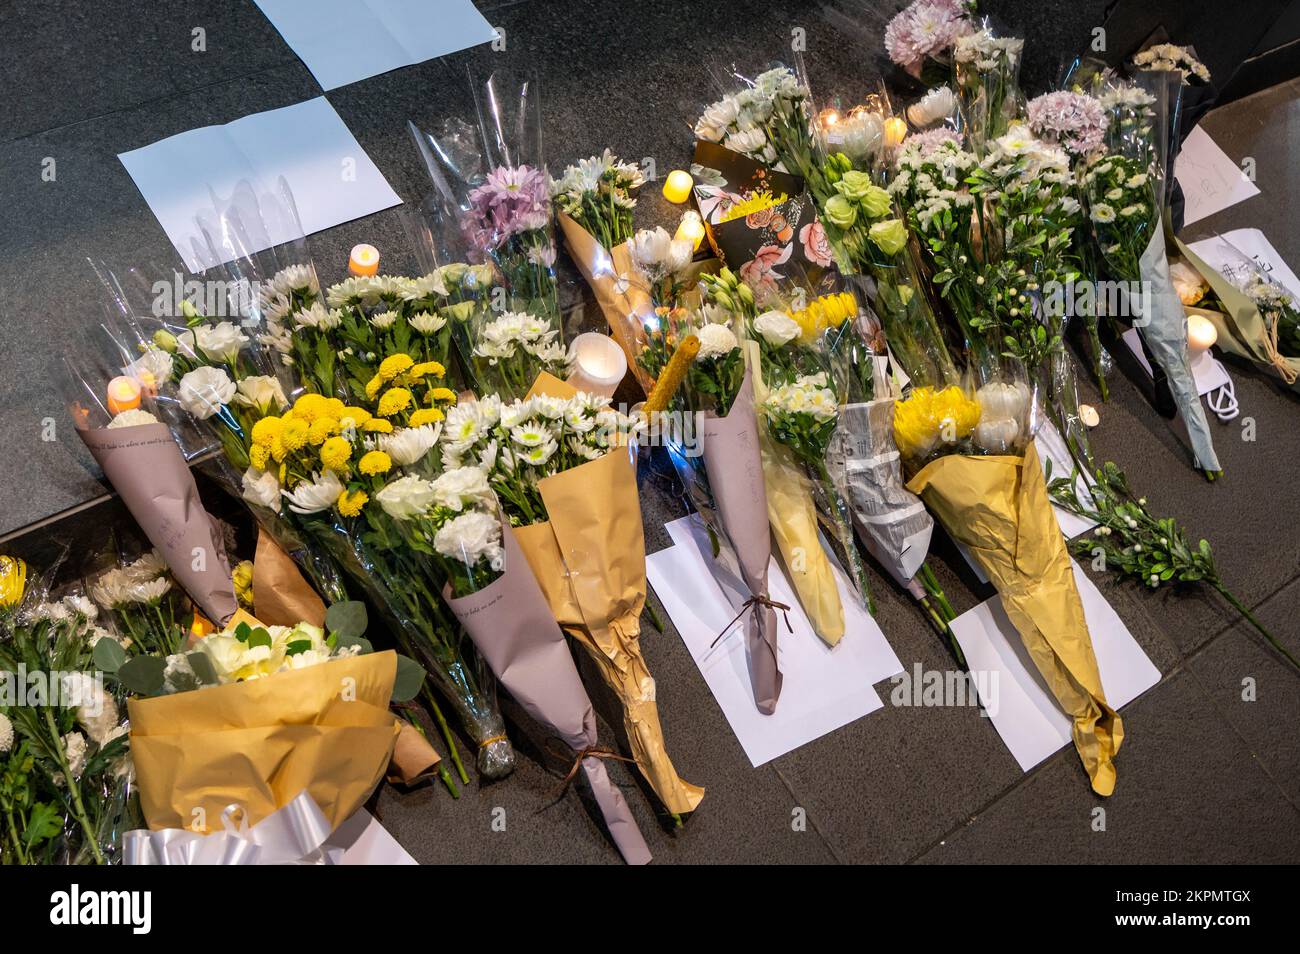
<point x="1201" y="334"/>
<point x="123" y="394"/>
<point x="691" y="229"/>
<point x="678" y="185"/>
<point x="598" y="363"/>
<point x="364" y="260"/>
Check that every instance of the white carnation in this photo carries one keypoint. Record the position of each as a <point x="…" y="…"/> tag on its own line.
<point x="205" y="391"/>
<point x="406" y="497"/>
<point x="471" y="537"/>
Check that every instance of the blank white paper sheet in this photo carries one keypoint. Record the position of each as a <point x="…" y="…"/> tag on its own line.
<point x="1022" y="709"/>
<point x="198" y="176"/>
<point x="343" y="41"/>
<point x="824" y="688"/>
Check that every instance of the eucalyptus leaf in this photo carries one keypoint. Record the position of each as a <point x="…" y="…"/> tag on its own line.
<point x="346" y="619"/>
<point x="143" y="675"/>
<point x="108" y="655"/>
<point x="409" y="681"/>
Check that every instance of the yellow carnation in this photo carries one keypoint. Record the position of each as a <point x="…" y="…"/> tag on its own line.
<point x="335" y="454"/>
<point x="394" y="365"/>
<point x="13" y="580"/>
<point x="426" y="415"/>
<point x="377" y="425"/>
<point x="393" y="401"/>
<point x="266" y="430"/>
<point x="351" y="502"/>
<point x="375" y="462"/>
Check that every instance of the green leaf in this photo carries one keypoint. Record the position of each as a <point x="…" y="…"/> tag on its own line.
<point x="259" y="637"/>
<point x="242" y="632"/>
<point x="108" y="655"/>
<point x="43" y="823"/>
<point x="346" y="619"/>
<point x="143" y="675"/>
<point x="297" y="646"/>
<point x="347" y="642"/>
<point x="201" y="665"/>
<point x="409" y="681"/>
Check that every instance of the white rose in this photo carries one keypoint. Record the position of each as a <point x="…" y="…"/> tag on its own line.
<point x="471" y="537"/>
<point x="220" y="342"/>
<point x="715" y="341"/>
<point x="205" y="391"/>
<point x="261" y="391"/>
<point x="776" y="327"/>
<point x="406" y="497"/>
<point x="313" y="496"/>
<point x="261" y="487"/>
<point x="133" y="418"/>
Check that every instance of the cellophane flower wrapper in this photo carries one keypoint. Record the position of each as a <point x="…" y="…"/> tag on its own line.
<point x="515" y="631"/>
<point x="589" y="560"/>
<point x="323" y="729"/>
<point x="1133" y="246"/>
<point x="986" y="65"/>
<point x="491" y="185"/>
<point x="1242" y="327"/>
<point x="997" y="507"/>
<point x="145" y="465"/>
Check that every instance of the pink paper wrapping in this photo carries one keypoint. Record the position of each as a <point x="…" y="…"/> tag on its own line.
<point x="515" y="631"/>
<point x="148" y="472"/>
<point x="735" y="468"/>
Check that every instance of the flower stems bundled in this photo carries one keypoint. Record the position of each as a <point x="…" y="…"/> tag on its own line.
<point x="987" y="72"/>
<point x="1134" y="543"/>
<point x="65" y="775"/>
<point x="143" y="603"/>
<point x="597" y="194"/>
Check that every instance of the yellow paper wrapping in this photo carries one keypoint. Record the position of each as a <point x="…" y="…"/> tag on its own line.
<point x="999" y="509"/>
<point x="257" y="744"/>
<point x="793" y="516"/>
<point x="281" y="596"/>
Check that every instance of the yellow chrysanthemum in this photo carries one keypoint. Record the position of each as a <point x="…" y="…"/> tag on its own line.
<point x="266" y="430"/>
<point x="322" y="428"/>
<point x="309" y="407"/>
<point x="356" y="415"/>
<point x="242" y="577"/>
<point x="277" y="449"/>
<point x="335" y="454"/>
<point x="428" y="369"/>
<point x="394" y="365"/>
<point x="394" y="401"/>
<point x="13" y="580"/>
<point x="929" y="417"/>
<point x="426" y="415"/>
<point x="259" y="456"/>
<point x="334" y="407"/>
<point x="294" y="435"/>
<point x="351" y="502"/>
<point x="373" y="386"/>
<point x="374" y="463"/>
<point x="377" y="425"/>
<point x="442" y="394"/>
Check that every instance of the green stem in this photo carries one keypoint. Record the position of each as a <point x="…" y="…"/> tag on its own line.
<point x="13" y="836"/>
<point x="74" y="789"/>
<point x="1250" y="618"/>
<point x="452" y="752"/>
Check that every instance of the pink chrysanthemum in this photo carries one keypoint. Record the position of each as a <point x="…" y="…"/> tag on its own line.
<point x="925" y="143"/>
<point x="926" y="28"/>
<point x="1074" y="121"/>
<point x="510" y="201"/>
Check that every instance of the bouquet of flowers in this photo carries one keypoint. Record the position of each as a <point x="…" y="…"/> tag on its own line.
<point x="493" y="593"/>
<point x="987" y="73"/>
<point x="65" y="775"/>
<point x="920" y="39"/>
<point x="491" y="189"/>
<point x="565" y="480"/>
<point x="1123" y="188"/>
<point x="596" y="193"/>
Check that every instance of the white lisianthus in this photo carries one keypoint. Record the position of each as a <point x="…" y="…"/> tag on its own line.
<point x="776" y="327"/>
<point x="262" y="488"/>
<point x="132" y="418"/>
<point x="472" y="537"/>
<point x="261" y="391"/>
<point x="205" y="391"/>
<point x="426" y="323"/>
<point x="152" y="368"/>
<point x="235" y="661"/>
<point x="220" y="342"/>
<point x="406" y="497"/>
<point x="408" y="445"/>
<point x="716" y="341"/>
<point x="462" y="487"/>
<point x="313" y="496"/>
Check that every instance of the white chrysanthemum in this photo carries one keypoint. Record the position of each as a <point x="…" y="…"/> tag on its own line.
<point x="426" y="323"/>
<point x="74" y="749"/>
<point x="939" y="103"/>
<point x="537" y="456"/>
<point x="313" y="496"/>
<point x="1103" y="213"/>
<point x="296" y="278"/>
<point x="82" y="606"/>
<point x="408" y="445"/>
<point x="472" y="537"/>
<point x="383" y="320"/>
<point x="205" y="391"/>
<point x="716" y="341"/>
<point x="133" y="418"/>
<point x="261" y="487"/>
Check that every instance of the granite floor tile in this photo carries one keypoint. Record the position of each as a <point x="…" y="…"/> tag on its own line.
<point x="1189" y="792"/>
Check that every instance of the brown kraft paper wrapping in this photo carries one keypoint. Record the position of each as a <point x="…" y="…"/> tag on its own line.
<point x="735" y="468"/>
<point x="998" y="507"/>
<point x="147" y="470"/>
<point x="514" y="630"/>
<point x="281" y="596"/>
<point x="257" y="744"/>
<point x="589" y="560"/>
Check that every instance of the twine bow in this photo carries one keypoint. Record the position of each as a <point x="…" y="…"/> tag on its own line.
<point x="1280" y="363"/>
<point x="750" y="604"/>
<point x="591" y="751"/>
